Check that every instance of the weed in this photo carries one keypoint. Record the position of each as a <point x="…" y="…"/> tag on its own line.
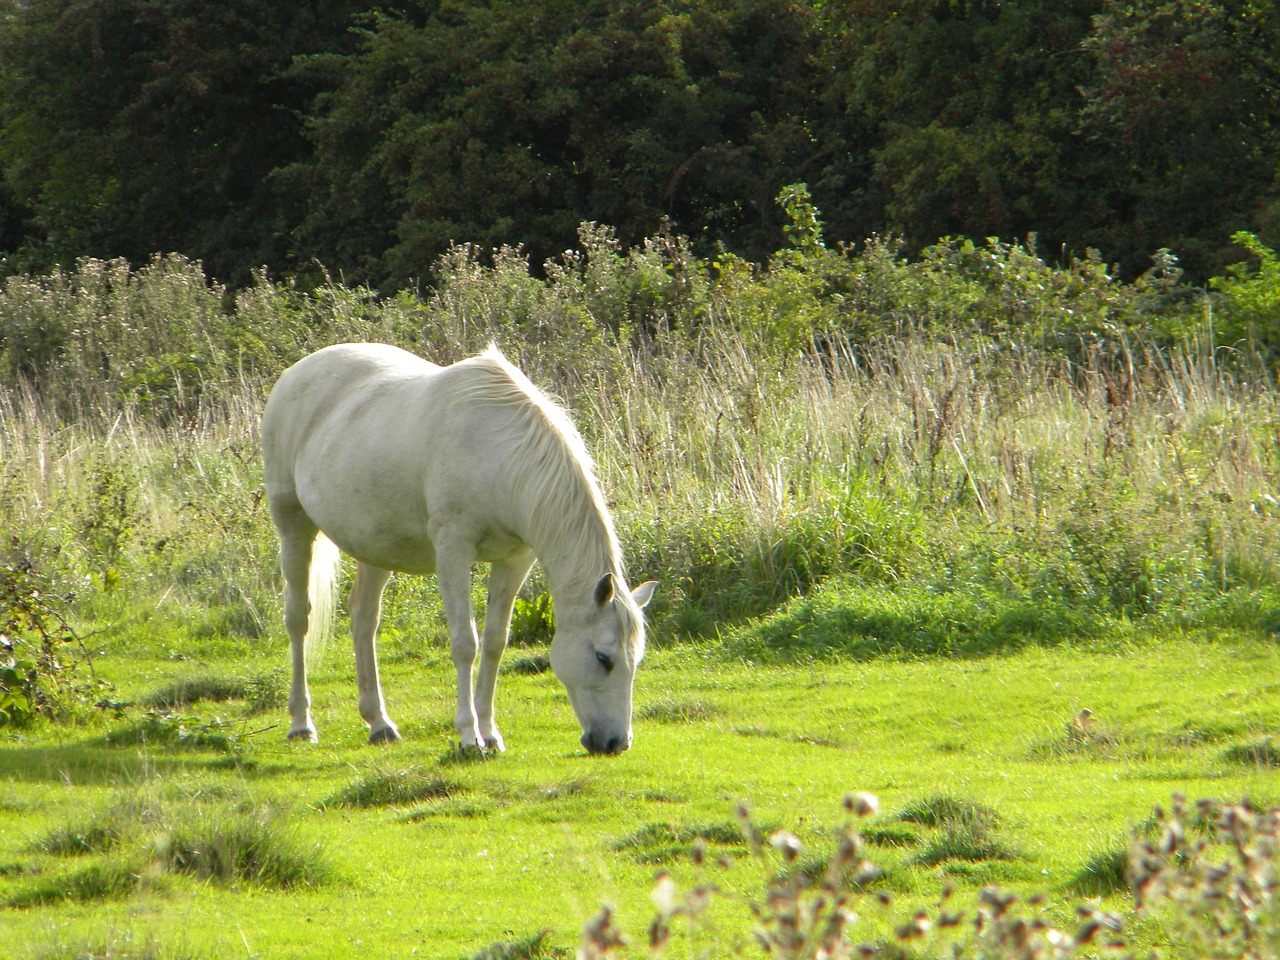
<point x="1216" y="893"/>
<point x="163" y="727"/>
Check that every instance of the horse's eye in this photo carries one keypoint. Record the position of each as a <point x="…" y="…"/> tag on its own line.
<point x="606" y="661"/>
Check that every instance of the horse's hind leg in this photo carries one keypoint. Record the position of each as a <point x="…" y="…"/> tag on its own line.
<point x="505" y="579"/>
<point x="453" y="575"/>
<point x="297" y="539"/>
<point x="366" y="609"/>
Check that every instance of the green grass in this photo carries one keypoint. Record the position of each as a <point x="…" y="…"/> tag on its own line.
<point x="897" y="564"/>
<point x="385" y="850"/>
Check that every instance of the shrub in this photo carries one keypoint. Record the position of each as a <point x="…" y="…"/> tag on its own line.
<point x="45" y="670"/>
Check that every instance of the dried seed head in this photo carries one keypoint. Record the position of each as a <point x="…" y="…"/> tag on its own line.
<point x="862" y="804"/>
<point x="664" y="893"/>
<point x="786" y="843"/>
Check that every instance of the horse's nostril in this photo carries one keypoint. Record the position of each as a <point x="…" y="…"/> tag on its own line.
<point x="594" y="744"/>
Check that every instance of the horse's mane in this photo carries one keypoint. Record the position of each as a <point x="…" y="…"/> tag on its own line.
<point x="550" y="460"/>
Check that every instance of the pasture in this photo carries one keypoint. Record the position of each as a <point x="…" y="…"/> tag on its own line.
<point x="892" y="560"/>
<point x="413" y="847"/>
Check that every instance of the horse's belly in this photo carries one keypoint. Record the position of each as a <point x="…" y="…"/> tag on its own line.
<point x="388" y="536"/>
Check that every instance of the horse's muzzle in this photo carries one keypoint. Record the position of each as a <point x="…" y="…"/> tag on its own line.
<point x="595" y="743"/>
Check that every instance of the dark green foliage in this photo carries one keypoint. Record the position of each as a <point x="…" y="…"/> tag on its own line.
<point x="365" y="140"/>
<point x="130" y="127"/>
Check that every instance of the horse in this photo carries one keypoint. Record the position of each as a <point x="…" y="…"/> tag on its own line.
<point x="416" y="468"/>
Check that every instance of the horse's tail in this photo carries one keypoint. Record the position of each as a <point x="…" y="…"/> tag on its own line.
<point x="322" y="592"/>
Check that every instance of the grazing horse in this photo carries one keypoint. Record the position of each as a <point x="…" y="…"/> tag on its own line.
<point x="412" y="467"/>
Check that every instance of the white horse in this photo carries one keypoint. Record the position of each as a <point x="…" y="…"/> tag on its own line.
<point x="412" y="467"/>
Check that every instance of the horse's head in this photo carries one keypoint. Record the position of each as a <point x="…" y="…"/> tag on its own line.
<point x="598" y="645"/>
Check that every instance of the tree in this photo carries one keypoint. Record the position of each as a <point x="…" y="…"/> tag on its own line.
<point x="975" y="104"/>
<point x="1186" y="103"/>
<point x="513" y="122"/>
<point x="129" y="127"/>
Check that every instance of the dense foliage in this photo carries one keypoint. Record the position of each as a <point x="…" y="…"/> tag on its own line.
<point x="364" y="139"/>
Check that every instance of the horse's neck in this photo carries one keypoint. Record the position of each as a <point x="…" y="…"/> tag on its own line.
<point x="572" y="566"/>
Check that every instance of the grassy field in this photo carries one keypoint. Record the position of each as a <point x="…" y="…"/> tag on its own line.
<point x="991" y="540"/>
<point x="414" y="848"/>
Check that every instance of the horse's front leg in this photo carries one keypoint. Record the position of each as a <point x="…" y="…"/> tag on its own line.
<point x="453" y="573"/>
<point x="505" y="579"/>
<point x="366" y="610"/>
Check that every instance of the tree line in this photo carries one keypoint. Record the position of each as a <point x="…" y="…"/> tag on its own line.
<point x="361" y="141"/>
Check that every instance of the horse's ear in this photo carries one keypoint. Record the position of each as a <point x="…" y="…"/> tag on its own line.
<point x="644" y="593"/>
<point x="604" y="590"/>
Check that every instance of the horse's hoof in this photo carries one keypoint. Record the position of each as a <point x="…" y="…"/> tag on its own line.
<point x="385" y="735"/>
<point x="305" y="735"/>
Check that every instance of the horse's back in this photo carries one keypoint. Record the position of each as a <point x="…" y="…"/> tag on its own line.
<point x="315" y="394"/>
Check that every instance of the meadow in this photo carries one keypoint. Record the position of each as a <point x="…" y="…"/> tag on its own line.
<point x="992" y="540"/>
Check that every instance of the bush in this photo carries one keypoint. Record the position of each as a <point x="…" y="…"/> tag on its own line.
<point x="45" y="670"/>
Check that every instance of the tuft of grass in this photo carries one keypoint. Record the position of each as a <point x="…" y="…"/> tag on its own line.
<point x="1082" y="736"/>
<point x="894" y="837"/>
<point x="93" y="883"/>
<point x="535" y="947"/>
<point x="114" y="826"/>
<point x="113" y="947"/>
<point x="394" y="788"/>
<point x="966" y="831"/>
<point x="1258" y="753"/>
<point x="264" y="691"/>
<point x="670" y="710"/>
<point x="1195" y="733"/>
<point x="255" y="846"/>
<point x="530" y="665"/>
<point x="666" y="842"/>
<point x="1103" y="874"/>
<point x="943" y="809"/>
<point x="848" y="619"/>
